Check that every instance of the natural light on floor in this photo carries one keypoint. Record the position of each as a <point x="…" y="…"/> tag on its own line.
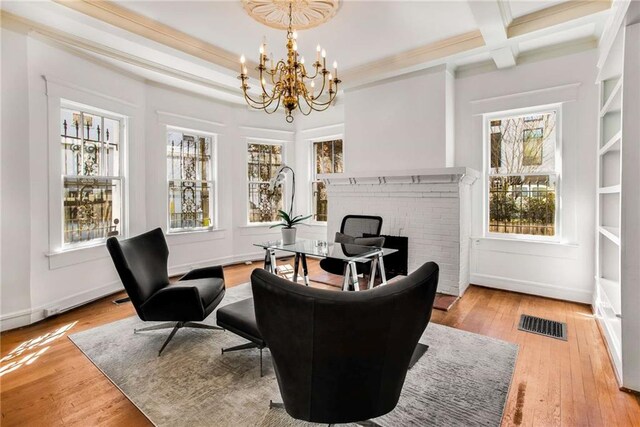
<point x="29" y="351"/>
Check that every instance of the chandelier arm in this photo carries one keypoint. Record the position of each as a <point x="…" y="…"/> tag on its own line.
<point x="332" y="98"/>
<point x="257" y="104"/>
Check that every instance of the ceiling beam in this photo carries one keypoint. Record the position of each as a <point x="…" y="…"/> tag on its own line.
<point x="492" y="18"/>
<point x="555" y="15"/>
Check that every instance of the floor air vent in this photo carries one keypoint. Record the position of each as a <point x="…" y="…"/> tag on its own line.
<point x="548" y="328"/>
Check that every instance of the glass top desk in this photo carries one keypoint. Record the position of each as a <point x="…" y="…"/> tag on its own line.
<point x="350" y="254"/>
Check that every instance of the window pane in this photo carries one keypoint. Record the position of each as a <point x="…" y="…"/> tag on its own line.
<point x="522" y="205"/>
<point x="263" y="205"/>
<point x="320" y="201"/>
<point x="190" y="205"/>
<point x="91" y="209"/>
<point x="523" y="144"/>
<point x="338" y="165"/>
<point x="111" y="141"/>
<point x="189" y="171"/>
<point x="328" y="158"/>
<point x="532" y="141"/>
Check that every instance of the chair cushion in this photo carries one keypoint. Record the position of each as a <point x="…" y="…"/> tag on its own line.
<point x="208" y="288"/>
<point x="240" y="318"/>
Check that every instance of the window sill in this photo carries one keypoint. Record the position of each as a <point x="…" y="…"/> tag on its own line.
<point x="258" y="225"/>
<point x="542" y="248"/>
<point x="186" y="237"/>
<point x="77" y="255"/>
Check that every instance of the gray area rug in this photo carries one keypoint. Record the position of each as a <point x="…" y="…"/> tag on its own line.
<point x="463" y="380"/>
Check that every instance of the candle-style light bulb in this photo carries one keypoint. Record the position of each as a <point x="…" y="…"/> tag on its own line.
<point x="295" y="35"/>
<point x="261" y="49"/>
<point x="330" y="77"/>
<point x="335" y="65"/>
<point x="324" y="53"/>
<point x="318" y="53"/>
<point x="313" y="84"/>
<point x="242" y="59"/>
<point x="264" y="82"/>
<point x="295" y="45"/>
<point x="302" y="59"/>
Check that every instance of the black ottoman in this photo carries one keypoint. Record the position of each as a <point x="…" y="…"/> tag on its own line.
<point x="240" y="318"/>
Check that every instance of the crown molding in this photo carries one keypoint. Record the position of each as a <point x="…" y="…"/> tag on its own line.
<point x="555" y="15"/>
<point x="79" y="46"/>
<point x="136" y="23"/>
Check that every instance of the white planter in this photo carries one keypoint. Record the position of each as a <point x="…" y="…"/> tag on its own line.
<point x="288" y="235"/>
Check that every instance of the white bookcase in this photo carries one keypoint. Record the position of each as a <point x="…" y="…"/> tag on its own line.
<point x="617" y="297"/>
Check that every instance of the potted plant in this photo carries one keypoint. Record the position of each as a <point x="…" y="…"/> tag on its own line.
<point x="287" y="224"/>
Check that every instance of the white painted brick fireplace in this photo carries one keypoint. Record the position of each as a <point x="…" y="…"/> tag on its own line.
<point x="432" y="207"/>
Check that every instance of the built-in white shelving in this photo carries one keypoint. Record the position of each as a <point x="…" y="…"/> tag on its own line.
<point x="617" y="277"/>
<point x="613" y="144"/>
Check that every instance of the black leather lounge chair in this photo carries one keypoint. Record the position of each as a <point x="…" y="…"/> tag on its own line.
<point x="342" y="357"/>
<point x="141" y="262"/>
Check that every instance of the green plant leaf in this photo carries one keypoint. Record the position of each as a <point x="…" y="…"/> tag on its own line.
<point x="279" y="225"/>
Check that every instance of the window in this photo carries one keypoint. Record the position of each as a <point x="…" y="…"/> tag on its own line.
<point x="92" y="196"/>
<point x="523" y="172"/>
<point x="327" y="158"/>
<point x="263" y="161"/>
<point x="190" y="181"/>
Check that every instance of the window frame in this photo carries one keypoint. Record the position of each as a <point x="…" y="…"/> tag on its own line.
<point x="556" y="174"/>
<point x="285" y="185"/>
<point x="313" y="175"/>
<point x="213" y="173"/>
<point x="124" y="123"/>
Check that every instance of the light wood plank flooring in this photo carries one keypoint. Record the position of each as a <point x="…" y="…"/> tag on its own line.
<point x="556" y="383"/>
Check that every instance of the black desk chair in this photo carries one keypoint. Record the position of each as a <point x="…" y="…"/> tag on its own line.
<point x="141" y="262"/>
<point x="353" y="230"/>
<point x="342" y="357"/>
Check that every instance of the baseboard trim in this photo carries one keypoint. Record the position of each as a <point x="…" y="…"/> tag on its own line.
<point x="532" y="288"/>
<point x="30" y="316"/>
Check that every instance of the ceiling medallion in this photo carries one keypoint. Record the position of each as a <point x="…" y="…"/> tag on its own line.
<point x="285" y="82"/>
<point x="304" y="13"/>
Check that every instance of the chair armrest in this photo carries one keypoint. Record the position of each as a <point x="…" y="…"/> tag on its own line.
<point x="204" y="273"/>
<point x="175" y="302"/>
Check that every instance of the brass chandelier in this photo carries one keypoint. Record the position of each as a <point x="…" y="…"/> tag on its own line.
<point x="289" y="79"/>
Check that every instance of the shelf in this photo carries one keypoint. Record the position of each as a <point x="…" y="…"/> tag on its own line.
<point x="612" y="145"/>
<point x="611" y="289"/>
<point x="611" y="233"/>
<point x="609" y="190"/>
<point x="614" y="102"/>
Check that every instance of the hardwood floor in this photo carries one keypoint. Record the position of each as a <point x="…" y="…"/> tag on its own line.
<point x="556" y="383"/>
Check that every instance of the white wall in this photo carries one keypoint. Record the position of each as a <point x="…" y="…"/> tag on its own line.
<point x="15" y="298"/>
<point x="36" y="276"/>
<point x="401" y="123"/>
<point x="564" y="269"/>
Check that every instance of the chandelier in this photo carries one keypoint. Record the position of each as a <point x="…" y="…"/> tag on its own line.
<point x="290" y="83"/>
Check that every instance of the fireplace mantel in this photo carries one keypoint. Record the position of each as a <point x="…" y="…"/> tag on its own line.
<point x="463" y="175"/>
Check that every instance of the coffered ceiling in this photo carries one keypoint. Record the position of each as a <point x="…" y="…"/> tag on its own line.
<point x="195" y="45"/>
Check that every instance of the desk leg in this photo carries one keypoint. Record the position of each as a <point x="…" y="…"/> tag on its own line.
<point x="346" y="274"/>
<point x="305" y="271"/>
<point x="267" y="260"/>
<point x="296" y="263"/>
<point x="383" y="275"/>
<point x="354" y="276"/>
<point x="372" y="274"/>
<point x="272" y="256"/>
